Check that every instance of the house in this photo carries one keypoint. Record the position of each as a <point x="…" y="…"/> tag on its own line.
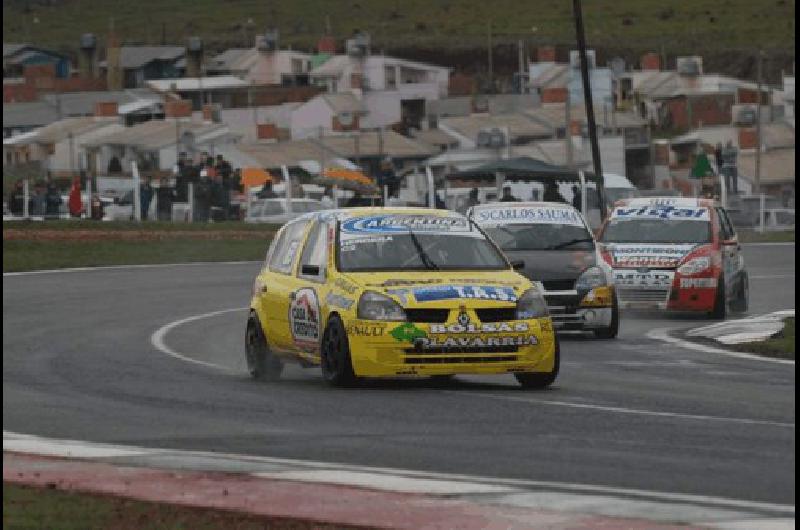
<point x="16" y="57"/>
<point x="394" y="90"/>
<point x="140" y="64"/>
<point x="521" y="129"/>
<point x="58" y="146"/>
<point x="263" y="66"/>
<point x="553" y="82"/>
<point x="20" y="118"/>
<point x="326" y="114"/>
<point x="155" y="144"/>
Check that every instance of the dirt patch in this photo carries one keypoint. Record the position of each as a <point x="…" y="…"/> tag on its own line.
<point x="16" y="234"/>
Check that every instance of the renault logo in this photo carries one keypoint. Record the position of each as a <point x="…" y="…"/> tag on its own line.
<point x="463" y="317"/>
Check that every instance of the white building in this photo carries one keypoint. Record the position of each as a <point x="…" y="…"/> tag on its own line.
<point x="326" y="114"/>
<point x="263" y="66"/>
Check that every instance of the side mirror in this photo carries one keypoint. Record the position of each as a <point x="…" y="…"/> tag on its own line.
<point x="518" y="265"/>
<point x="310" y="270"/>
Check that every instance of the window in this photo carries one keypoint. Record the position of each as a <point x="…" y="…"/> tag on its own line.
<point x="282" y="256"/>
<point x="315" y="252"/>
<point x="391" y="77"/>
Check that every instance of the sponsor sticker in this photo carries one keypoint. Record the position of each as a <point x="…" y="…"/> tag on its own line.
<point x="473" y="292"/>
<point x="528" y="215"/>
<point x="702" y="283"/>
<point x="366" y="330"/>
<point x="382" y="224"/>
<point x="304" y="317"/>
<point x="662" y="211"/>
<point x="489" y="327"/>
<point x="407" y="332"/>
<point x="649" y="279"/>
<point x="344" y="285"/>
<point x="474" y="342"/>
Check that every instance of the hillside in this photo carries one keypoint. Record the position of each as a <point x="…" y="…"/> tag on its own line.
<point x="713" y="28"/>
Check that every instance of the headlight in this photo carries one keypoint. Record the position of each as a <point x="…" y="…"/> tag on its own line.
<point x="531" y="305"/>
<point x="590" y="278"/>
<point x="695" y="265"/>
<point x="376" y="306"/>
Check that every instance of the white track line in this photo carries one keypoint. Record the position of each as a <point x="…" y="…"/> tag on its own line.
<point x="772" y="244"/>
<point x="662" y="334"/>
<point x="158" y="336"/>
<point x="124" y="267"/>
<point x="23" y="443"/>
<point x="624" y="410"/>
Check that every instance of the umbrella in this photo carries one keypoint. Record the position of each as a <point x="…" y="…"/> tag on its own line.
<point x="254" y="176"/>
<point x="346" y="179"/>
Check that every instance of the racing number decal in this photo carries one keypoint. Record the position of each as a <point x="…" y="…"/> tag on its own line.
<point x="304" y="319"/>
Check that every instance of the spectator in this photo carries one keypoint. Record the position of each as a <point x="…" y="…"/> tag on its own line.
<point x="97" y="208"/>
<point x="16" y="203"/>
<point x="472" y="200"/>
<point x="576" y="198"/>
<point x="266" y="191"/>
<point x="165" y="195"/>
<point x="718" y="157"/>
<point x="507" y="196"/>
<point x="75" y="203"/>
<point x="37" y="204"/>
<point x="114" y="165"/>
<point x="202" y="198"/>
<point x="236" y="180"/>
<point x="224" y="169"/>
<point x="354" y="201"/>
<point x="551" y="193"/>
<point x="53" y="201"/>
<point x="146" y="193"/>
<point x="220" y="198"/>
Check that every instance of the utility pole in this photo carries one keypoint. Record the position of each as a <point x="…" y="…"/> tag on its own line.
<point x="587" y="96"/>
<point x="568" y="131"/>
<point x="757" y="177"/>
<point x="521" y="54"/>
<point x="491" y="66"/>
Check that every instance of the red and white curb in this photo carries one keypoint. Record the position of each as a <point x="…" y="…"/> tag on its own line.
<point x="554" y="504"/>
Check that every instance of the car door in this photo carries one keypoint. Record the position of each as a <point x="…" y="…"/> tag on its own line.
<point x="281" y="284"/>
<point x="310" y="301"/>
<point x="730" y="250"/>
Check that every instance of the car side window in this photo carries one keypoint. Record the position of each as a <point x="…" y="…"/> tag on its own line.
<point x="287" y="247"/>
<point x="315" y="253"/>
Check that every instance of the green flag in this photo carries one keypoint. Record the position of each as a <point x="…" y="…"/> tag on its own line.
<point x="702" y="167"/>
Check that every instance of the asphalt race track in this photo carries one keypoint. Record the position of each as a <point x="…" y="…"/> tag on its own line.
<point x="79" y="363"/>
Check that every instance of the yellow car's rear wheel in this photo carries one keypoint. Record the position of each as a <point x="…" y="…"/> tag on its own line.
<point x="337" y="367"/>
<point x="534" y="380"/>
<point x="261" y="363"/>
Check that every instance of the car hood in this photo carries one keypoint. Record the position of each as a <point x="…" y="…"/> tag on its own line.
<point x="445" y="288"/>
<point x="634" y="255"/>
<point x="544" y="265"/>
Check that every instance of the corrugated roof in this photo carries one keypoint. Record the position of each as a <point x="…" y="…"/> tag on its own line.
<point x="344" y="102"/>
<point x="778" y="135"/>
<point x="138" y="56"/>
<point x="394" y="145"/>
<point x="518" y="125"/>
<point x="12" y="48"/>
<point x="189" y="84"/>
<point x="60" y="130"/>
<point x="272" y="155"/>
<point x="553" y="114"/>
<point x="32" y="114"/>
<point x="660" y="84"/>
<point x="434" y="137"/>
<point x="82" y="103"/>
<point x="333" y="67"/>
<point x="156" y="134"/>
<point x="777" y="165"/>
<point x="555" y="76"/>
<point x="225" y="60"/>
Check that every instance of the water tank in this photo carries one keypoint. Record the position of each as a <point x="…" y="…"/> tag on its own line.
<point x="746" y="116"/>
<point x="575" y="59"/>
<point x="358" y="46"/>
<point x="88" y="41"/>
<point x="268" y="42"/>
<point x="689" y="66"/>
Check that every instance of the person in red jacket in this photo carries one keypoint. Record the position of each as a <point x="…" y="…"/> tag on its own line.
<point x="75" y="204"/>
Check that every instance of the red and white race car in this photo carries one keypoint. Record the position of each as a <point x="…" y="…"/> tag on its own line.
<point x="674" y="253"/>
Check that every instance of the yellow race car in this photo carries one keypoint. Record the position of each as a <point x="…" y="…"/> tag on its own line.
<point x="386" y="292"/>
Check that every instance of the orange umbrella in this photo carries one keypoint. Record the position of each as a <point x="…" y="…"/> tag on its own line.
<point x="347" y="175"/>
<point x="255" y="176"/>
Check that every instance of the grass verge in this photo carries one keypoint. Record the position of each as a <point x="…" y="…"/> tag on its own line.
<point x="751" y="236"/>
<point x="28" y="508"/>
<point x="780" y="346"/>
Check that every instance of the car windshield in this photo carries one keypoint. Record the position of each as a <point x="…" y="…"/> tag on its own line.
<point x="408" y="246"/>
<point x="541" y="237"/>
<point x="620" y="230"/>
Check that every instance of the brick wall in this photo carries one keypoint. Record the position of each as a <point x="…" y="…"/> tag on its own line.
<point x="266" y="131"/>
<point x="19" y="93"/>
<point x="106" y="108"/>
<point x="651" y="61"/>
<point x="546" y="54"/>
<point x="181" y="108"/>
<point x="661" y="153"/>
<point x="747" y="138"/>
<point x="337" y="126"/>
<point x="461" y="84"/>
<point x="554" y="95"/>
<point x="696" y="111"/>
<point x="327" y="44"/>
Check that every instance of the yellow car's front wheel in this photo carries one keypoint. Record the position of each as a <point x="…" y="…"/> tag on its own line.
<point x="337" y="367"/>
<point x="534" y="380"/>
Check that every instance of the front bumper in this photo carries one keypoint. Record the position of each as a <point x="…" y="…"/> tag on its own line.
<point x="387" y="349"/>
<point x="568" y="314"/>
<point x="671" y="292"/>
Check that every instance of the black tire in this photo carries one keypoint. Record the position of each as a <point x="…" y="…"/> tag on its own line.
<point x="443" y="380"/>
<point x="261" y="363"/>
<point x="613" y="329"/>
<point x="537" y="380"/>
<point x="742" y="302"/>
<point x="337" y="367"/>
<point x="720" y="302"/>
